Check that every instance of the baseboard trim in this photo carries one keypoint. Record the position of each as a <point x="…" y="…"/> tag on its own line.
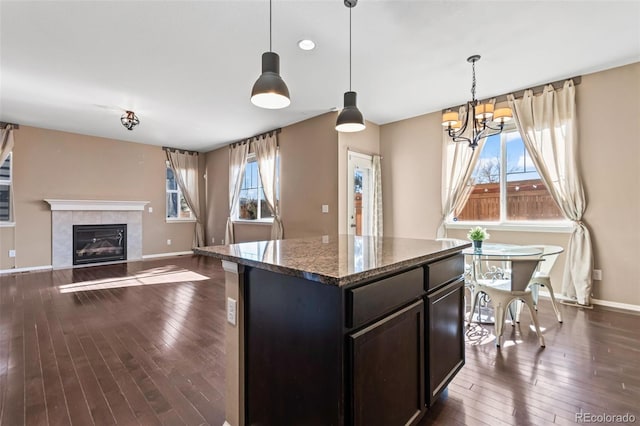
<point x="606" y="303"/>
<point x="616" y="305"/>
<point x="173" y="254"/>
<point x="27" y="269"/>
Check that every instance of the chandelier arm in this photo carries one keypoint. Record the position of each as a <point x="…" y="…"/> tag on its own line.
<point x="500" y="127"/>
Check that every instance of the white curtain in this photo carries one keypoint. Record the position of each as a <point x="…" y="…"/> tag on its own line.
<point x="237" y="163"/>
<point x="266" y="150"/>
<point x="548" y="126"/>
<point x="458" y="162"/>
<point x="377" y="196"/>
<point x="6" y="146"/>
<point x="186" y="171"/>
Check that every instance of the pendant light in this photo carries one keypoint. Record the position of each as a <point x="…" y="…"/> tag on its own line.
<point x="350" y="118"/>
<point x="270" y="91"/>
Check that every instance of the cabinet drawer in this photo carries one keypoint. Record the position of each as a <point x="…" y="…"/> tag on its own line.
<point x="444" y="271"/>
<point x="375" y="299"/>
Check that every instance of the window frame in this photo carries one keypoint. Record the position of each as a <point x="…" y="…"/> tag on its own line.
<point x="252" y="158"/>
<point x="9" y="182"/>
<point x="178" y="191"/>
<point x="503" y="224"/>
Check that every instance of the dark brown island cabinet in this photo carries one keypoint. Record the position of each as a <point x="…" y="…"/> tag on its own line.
<point x="342" y="330"/>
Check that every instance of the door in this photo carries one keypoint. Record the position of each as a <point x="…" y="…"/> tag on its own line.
<point x="360" y="194"/>
<point x="387" y="377"/>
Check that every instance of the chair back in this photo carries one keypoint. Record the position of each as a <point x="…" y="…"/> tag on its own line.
<point x="521" y="272"/>
<point x="550" y="255"/>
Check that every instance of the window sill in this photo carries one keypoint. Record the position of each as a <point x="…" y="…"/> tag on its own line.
<point x="559" y="227"/>
<point x="172" y="220"/>
<point x="7" y="224"/>
<point x="262" y="222"/>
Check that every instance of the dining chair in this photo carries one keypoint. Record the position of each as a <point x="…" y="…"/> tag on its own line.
<point x="542" y="278"/>
<point x="502" y="292"/>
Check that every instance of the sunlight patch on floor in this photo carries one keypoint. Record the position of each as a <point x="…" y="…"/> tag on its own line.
<point x="164" y="275"/>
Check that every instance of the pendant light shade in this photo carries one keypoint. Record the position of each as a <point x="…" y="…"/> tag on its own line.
<point x="270" y="91"/>
<point x="350" y="118"/>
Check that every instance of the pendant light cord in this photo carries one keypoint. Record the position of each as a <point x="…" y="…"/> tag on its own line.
<point x="349" y="48"/>
<point x="270" y="48"/>
<point x="473" y="82"/>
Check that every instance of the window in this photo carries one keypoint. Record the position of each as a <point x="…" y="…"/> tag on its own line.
<point x="252" y="203"/>
<point x="5" y="190"/>
<point x="177" y="208"/>
<point x="507" y="186"/>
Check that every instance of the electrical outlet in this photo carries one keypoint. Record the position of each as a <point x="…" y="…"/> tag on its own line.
<point x="12" y="253"/>
<point x="597" y="275"/>
<point x="231" y="311"/>
<point x="223" y="241"/>
<point x="168" y="242"/>
<point x="213" y="240"/>
<point x="325" y="208"/>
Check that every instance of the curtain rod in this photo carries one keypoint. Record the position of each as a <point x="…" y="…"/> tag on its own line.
<point x="4" y="125"/>
<point x="243" y="141"/>
<point x="184" y="151"/>
<point x="537" y="89"/>
<point x="371" y="154"/>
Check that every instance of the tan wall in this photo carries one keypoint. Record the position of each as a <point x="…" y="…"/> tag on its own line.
<point x="59" y="165"/>
<point x="608" y="105"/>
<point x="308" y="179"/>
<point x="411" y="176"/>
<point x="365" y="142"/>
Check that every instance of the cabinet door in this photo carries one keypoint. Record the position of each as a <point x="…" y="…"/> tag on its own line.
<point x="445" y="313"/>
<point x="387" y="369"/>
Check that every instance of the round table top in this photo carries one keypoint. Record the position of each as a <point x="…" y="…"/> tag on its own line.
<point x="503" y="250"/>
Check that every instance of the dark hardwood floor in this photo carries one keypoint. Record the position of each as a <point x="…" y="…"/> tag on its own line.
<point x="142" y="343"/>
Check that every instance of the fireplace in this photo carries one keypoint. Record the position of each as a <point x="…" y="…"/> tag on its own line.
<point x="99" y="243"/>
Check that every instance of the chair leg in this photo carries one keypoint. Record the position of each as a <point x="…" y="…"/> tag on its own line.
<point x="535" y="289"/>
<point x="553" y="303"/>
<point x="534" y="317"/>
<point x="474" y="302"/>
<point x="499" y="313"/>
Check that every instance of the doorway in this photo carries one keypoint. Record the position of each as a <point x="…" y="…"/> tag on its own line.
<point x="360" y="194"/>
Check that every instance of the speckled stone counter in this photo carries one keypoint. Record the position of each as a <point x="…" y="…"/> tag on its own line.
<point x="337" y="260"/>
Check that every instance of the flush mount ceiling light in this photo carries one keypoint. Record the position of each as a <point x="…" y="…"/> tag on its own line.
<point x="270" y="90"/>
<point x="481" y="118"/>
<point x="306" y="44"/>
<point x="129" y="120"/>
<point x="350" y="118"/>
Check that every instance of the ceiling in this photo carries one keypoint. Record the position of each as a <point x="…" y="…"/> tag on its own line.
<point x="187" y="67"/>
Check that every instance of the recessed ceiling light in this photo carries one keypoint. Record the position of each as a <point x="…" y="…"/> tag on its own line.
<point x="306" y="44"/>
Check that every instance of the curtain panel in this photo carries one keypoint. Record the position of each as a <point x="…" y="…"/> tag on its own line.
<point x="266" y="150"/>
<point x="186" y="171"/>
<point x="377" y="196"/>
<point x="237" y="164"/>
<point x="459" y="161"/>
<point x="548" y="126"/>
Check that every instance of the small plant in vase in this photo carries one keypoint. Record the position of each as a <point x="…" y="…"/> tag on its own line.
<point x="478" y="235"/>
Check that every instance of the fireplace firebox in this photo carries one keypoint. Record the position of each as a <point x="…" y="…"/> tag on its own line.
<point x="99" y="243"/>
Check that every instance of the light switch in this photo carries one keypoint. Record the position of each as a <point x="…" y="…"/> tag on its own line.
<point x="150" y="209"/>
<point x="231" y="311"/>
<point x="325" y="208"/>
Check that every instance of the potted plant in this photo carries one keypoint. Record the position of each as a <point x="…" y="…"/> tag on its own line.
<point x="478" y="235"/>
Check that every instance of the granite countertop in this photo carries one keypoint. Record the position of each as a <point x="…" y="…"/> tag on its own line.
<point x="336" y="260"/>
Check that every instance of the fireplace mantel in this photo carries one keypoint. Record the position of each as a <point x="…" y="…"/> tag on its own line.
<point x="96" y="205"/>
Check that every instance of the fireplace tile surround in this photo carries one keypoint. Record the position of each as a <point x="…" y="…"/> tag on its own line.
<point x="66" y="213"/>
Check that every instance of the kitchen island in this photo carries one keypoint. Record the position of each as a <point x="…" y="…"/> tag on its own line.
<point x="340" y="330"/>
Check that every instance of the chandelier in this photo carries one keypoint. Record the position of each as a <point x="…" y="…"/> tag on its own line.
<point x="480" y="118"/>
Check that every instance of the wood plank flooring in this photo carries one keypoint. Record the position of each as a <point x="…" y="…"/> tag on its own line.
<point x="142" y="343"/>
